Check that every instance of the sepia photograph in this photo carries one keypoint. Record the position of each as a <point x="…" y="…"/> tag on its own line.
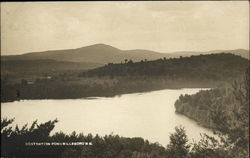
<point x="125" y="79"/>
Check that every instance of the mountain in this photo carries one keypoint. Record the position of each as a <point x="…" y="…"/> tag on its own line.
<point x="102" y="53"/>
<point x="98" y="53"/>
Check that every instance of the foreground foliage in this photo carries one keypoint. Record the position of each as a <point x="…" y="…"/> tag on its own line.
<point x="108" y="146"/>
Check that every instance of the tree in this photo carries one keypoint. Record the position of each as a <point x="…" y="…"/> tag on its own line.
<point x="130" y="61"/>
<point x="14" y="140"/>
<point x="209" y="147"/>
<point x="178" y="147"/>
<point x="233" y="126"/>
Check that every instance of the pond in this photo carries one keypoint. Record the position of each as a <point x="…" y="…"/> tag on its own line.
<point x="150" y="115"/>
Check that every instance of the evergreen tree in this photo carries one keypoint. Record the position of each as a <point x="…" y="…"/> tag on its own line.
<point x="178" y="146"/>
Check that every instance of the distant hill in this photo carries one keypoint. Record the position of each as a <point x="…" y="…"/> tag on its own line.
<point x="102" y="53"/>
<point x="98" y="53"/>
<point x="221" y="67"/>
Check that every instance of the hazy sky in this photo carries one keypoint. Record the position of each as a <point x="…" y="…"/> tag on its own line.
<point x="160" y="26"/>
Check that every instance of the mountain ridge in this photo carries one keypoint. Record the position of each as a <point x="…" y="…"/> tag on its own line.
<point x="103" y="53"/>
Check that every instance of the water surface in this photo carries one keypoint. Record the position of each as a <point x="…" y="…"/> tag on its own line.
<point x="150" y="115"/>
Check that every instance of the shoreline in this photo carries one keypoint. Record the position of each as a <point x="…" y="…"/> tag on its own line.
<point x="106" y="96"/>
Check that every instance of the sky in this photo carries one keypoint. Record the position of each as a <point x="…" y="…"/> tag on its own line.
<point x="163" y="26"/>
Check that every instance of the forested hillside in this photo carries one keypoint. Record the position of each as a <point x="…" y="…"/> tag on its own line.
<point x="203" y="67"/>
<point x="202" y="105"/>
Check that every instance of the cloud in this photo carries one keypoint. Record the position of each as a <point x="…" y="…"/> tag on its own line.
<point x="164" y="26"/>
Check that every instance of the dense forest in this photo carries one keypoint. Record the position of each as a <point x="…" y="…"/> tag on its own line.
<point x="202" y="67"/>
<point x="226" y="110"/>
<point x="198" y="106"/>
<point x="203" y="71"/>
<point x="202" y="105"/>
